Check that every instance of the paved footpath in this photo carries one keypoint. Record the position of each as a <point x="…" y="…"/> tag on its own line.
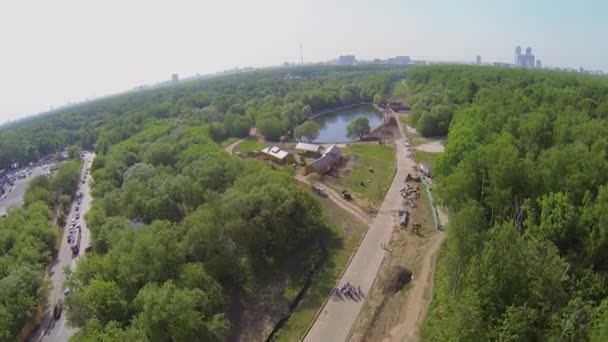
<point x="337" y="317"/>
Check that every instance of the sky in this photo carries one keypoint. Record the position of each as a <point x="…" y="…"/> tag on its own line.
<point x="60" y="51"/>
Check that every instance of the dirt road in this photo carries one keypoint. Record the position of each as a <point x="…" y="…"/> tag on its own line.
<point x="231" y="147"/>
<point x="397" y="316"/>
<point x="335" y="197"/>
<point x="419" y="296"/>
<point x="337" y="316"/>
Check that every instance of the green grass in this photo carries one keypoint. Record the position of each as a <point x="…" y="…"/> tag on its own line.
<point x="428" y="157"/>
<point x="416" y="138"/>
<point x="406" y="119"/>
<point x="347" y="233"/>
<point x="251" y="146"/>
<point x="364" y="156"/>
<point x="399" y="90"/>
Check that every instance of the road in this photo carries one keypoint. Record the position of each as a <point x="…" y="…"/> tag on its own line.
<point x="337" y="317"/>
<point x="52" y="330"/>
<point x="335" y="197"/>
<point x="231" y="147"/>
<point x="14" y="197"/>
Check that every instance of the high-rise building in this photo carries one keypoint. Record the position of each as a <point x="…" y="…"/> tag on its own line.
<point x="517" y="54"/>
<point x="175" y="78"/>
<point x="524" y="61"/>
<point x="347" y="60"/>
<point x="478" y="60"/>
<point x="538" y="64"/>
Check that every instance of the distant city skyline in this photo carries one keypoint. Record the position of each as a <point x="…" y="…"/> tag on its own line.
<point x="67" y="50"/>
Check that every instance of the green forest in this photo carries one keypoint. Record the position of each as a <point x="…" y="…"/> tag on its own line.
<point x="525" y="176"/>
<point x="227" y="105"/>
<point x="180" y="228"/>
<point x="27" y="243"/>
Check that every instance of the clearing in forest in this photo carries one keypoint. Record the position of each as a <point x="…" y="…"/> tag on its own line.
<point x="368" y="186"/>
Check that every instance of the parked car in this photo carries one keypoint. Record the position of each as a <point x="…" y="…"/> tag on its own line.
<point x="77" y="216"/>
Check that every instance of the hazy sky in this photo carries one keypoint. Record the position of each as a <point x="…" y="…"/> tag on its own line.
<point x="52" y="52"/>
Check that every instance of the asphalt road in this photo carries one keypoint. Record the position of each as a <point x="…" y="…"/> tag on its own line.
<point x="52" y="330"/>
<point x="14" y="197"/>
<point x="337" y="317"/>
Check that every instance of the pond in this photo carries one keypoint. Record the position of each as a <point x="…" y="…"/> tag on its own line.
<point x="333" y="124"/>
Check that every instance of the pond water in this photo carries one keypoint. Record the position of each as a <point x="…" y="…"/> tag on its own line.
<point x="333" y="124"/>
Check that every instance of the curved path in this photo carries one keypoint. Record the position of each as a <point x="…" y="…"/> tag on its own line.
<point x="335" y="197"/>
<point x="332" y="194"/>
<point x="337" y="317"/>
<point x="231" y="147"/>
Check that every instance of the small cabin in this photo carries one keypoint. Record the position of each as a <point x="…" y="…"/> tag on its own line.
<point x="308" y="150"/>
<point x="277" y="155"/>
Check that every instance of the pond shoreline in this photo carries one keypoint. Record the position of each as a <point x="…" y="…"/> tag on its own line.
<point x="329" y="110"/>
<point x="333" y="122"/>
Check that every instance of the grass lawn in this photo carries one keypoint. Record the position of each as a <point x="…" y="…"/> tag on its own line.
<point x="364" y="156"/>
<point x="251" y="146"/>
<point x="415" y="137"/>
<point x="399" y="90"/>
<point x="428" y="157"/>
<point x="406" y="119"/>
<point x="348" y="232"/>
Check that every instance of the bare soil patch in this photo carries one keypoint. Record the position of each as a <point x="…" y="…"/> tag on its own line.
<point x="433" y="147"/>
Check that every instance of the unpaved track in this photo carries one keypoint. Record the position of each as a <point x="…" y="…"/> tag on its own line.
<point x="419" y="296"/>
<point x="231" y="147"/>
<point x="332" y="194"/>
<point x="335" y="197"/>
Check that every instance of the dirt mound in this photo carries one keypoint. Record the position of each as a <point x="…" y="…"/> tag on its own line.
<point x="398" y="278"/>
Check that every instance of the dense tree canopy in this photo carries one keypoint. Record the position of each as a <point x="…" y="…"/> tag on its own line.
<point x="234" y="103"/>
<point x="307" y="131"/>
<point x="524" y="173"/>
<point x="177" y="224"/>
<point x="358" y="127"/>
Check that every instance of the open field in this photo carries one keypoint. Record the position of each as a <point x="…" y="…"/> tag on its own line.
<point x="349" y="232"/>
<point x="251" y="146"/>
<point x="361" y="158"/>
<point x="428" y="157"/>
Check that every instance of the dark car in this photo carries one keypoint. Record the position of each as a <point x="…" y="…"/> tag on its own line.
<point x="57" y="310"/>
